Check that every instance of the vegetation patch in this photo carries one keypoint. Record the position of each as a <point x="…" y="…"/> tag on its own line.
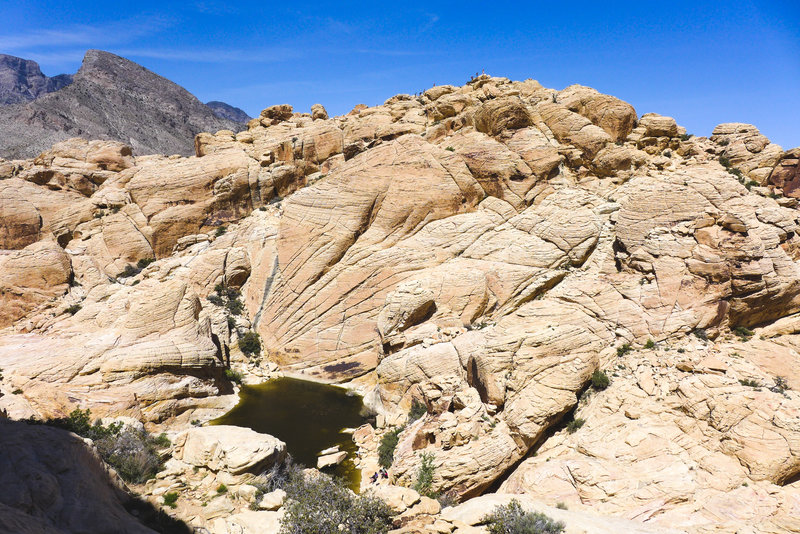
<point x="624" y="349"/>
<point x="318" y="504"/>
<point x="417" y="410"/>
<point x="575" y="424"/>
<point x="600" y="380"/>
<point x="512" y="519"/>
<point x="424" y="482"/>
<point x="250" y="344"/>
<point x="387" y="447"/>
<point x="132" y="453"/>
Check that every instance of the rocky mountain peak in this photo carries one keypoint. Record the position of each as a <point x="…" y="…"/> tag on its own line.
<point x="110" y="98"/>
<point x="21" y="80"/>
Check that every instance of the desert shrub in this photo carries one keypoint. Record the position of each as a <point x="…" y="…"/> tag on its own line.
<point x="235" y="306"/>
<point x="743" y="333"/>
<point x="450" y="149"/>
<point x="318" y="504"/>
<point x="781" y="384"/>
<point x="700" y="333"/>
<point x="162" y="441"/>
<point x="250" y="344"/>
<point x="650" y="344"/>
<point x="220" y="231"/>
<point x="216" y="300"/>
<point x="170" y="499"/>
<point x="417" y="410"/>
<point x="72" y="310"/>
<point x="144" y="262"/>
<point x="129" y="271"/>
<point x="231" y="324"/>
<point x="575" y="424"/>
<point x="234" y="376"/>
<point x="749" y="382"/>
<point x="600" y="380"/>
<point x="16" y="391"/>
<point x="624" y="349"/>
<point x="561" y="506"/>
<point x="424" y="482"/>
<point x="277" y="477"/>
<point x="686" y="137"/>
<point x="512" y="519"/>
<point x="132" y="454"/>
<point x="222" y="489"/>
<point x="448" y="498"/>
<point x="387" y="447"/>
<point x="724" y="161"/>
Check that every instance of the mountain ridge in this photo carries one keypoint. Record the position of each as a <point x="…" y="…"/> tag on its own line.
<point x="110" y="98"/>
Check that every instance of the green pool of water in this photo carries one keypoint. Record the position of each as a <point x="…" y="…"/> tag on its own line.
<point x="308" y="416"/>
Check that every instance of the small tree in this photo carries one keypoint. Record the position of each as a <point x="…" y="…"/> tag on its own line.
<point x="387" y="447"/>
<point x="424" y="483"/>
<point x="250" y="344"/>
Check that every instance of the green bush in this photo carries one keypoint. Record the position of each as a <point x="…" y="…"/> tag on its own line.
<point x="624" y="349"/>
<point x="231" y="324"/>
<point x="686" y="137"/>
<point x="417" y="410"/>
<point x="220" y="231"/>
<point x="724" y="161"/>
<point x="234" y="376"/>
<point x="749" y="382"/>
<point x="144" y="262"/>
<point x="512" y="519"/>
<point x="216" y="300"/>
<point x="129" y="271"/>
<point x="387" y="446"/>
<point x="235" y="306"/>
<point x="424" y="482"/>
<point x="250" y="344"/>
<point x="574" y="425"/>
<point x="317" y="504"/>
<point x="743" y="333"/>
<point x="650" y="344"/>
<point x="222" y="489"/>
<point x="72" y="310"/>
<point x="450" y="149"/>
<point x="170" y="499"/>
<point x="600" y="380"/>
<point x="133" y="454"/>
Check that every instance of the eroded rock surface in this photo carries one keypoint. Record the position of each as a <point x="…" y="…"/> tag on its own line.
<point x="480" y="250"/>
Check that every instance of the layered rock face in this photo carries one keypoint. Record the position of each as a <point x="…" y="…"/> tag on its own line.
<point x="108" y="98"/>
<point x="482" y="250"/>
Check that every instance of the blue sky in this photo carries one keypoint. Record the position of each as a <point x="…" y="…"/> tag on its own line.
<point x="701" y="62"/>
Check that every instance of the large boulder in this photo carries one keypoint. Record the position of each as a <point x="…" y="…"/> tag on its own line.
<point x="231" y="449"/>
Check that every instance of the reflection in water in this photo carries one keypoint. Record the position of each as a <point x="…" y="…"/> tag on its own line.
<point x="308" y="416"/>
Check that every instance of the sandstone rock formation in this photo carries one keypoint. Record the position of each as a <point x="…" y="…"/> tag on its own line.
<point x="52" y="483"/>
<point x="482" y="250"/>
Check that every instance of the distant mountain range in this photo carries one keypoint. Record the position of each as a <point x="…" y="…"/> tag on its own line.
<point x="109" y="97"/>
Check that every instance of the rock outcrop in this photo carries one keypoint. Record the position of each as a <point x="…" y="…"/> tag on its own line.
<point x="483" y="250"/>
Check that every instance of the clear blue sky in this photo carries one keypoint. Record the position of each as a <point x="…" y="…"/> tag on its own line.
<point x="701" y="62"/>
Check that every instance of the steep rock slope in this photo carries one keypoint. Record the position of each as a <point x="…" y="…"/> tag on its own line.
<point x="109" y="98"/>
<point x="226" y="111"/>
